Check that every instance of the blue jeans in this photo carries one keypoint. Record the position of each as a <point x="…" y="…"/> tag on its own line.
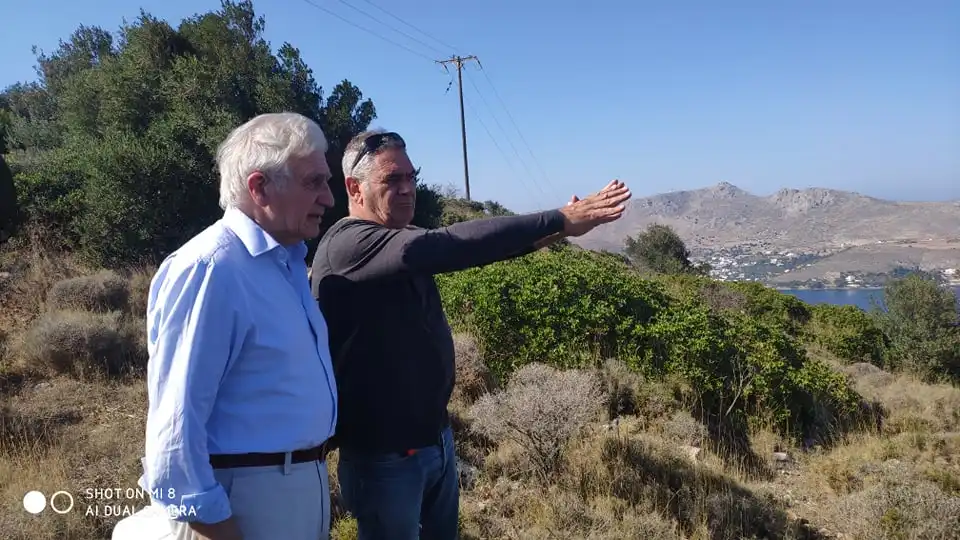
<point x="403" y="497"/>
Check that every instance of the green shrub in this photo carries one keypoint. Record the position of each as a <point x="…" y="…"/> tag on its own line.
<point x="567" y="308"/>
<point x="572" y="308"/>
<point x="849" y="333"/>
<point x="51" y="195"/>
<point x="747" y="368"/>
<point x="772" y="305"/>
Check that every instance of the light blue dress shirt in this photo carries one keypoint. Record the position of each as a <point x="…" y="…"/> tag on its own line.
<point x="239" y="362"/>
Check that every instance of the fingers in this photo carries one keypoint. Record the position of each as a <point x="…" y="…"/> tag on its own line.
<point x="609" y="207"/>
<point x="619" y="197"/>
<point x="613" y="184"/>
<point x="617" y="193"/>
<point x="612" y="197"/>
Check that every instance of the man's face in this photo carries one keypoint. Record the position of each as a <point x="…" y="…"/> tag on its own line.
<point x="295" y="212"/>
<point x="390" y="193"/>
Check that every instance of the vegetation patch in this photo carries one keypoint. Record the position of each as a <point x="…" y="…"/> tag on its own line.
<point x="571" y="308"/>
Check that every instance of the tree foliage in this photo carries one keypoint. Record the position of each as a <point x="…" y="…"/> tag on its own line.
<point x="113" y="147"/>
<point x="457" y="209"/>
<point x="919" y="319"/>
<point x="660" y="249"/>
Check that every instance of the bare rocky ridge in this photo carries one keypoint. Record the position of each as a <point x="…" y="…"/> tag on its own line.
<point x="815" y="221"/>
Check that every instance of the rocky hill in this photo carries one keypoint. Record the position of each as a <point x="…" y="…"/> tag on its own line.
<point x="817" y="236"/>
<point x="811" y="220"/>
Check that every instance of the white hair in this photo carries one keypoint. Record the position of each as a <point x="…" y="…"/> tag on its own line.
<point x="265" y="143"/>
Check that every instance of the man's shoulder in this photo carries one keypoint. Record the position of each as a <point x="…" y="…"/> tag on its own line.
<point x="216" y="250"/>
<point x="350" y="226"/>
<point x="345" y="239"/>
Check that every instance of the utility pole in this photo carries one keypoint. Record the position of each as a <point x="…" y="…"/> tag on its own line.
<point x="458" y="61"/>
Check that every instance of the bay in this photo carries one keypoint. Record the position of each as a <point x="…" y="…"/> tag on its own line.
<point x="857" y="297"/>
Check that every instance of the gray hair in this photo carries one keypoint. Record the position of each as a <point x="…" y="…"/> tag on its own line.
<point x="265" y="143"/>
<point x="362" y="170"/>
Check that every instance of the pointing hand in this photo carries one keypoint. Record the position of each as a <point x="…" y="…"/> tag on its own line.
<point x="583" y="215"/>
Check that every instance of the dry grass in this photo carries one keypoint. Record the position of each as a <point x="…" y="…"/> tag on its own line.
<point x="473" y="376"/>
<point x="540" y="410"/>
<point x="64" y="434"/>
<point x="644" y="468"/>
<point x="72" y="411"/>
<point x="650" y="471"/>
<point x="102" y="292"/>
<point x="899" y="482"/>
<point x="81" y="343"/>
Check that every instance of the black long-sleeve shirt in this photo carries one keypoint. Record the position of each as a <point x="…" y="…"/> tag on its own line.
<point x="391" y="345"/>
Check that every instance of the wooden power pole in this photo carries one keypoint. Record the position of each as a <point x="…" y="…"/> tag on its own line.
<point x="459" y="61"/>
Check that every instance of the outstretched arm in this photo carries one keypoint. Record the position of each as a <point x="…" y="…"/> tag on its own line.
<point x="364" y="250"/>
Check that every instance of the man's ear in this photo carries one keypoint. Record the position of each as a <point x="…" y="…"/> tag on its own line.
<point x="256" y="185"/>
<point x="353" y="189"/>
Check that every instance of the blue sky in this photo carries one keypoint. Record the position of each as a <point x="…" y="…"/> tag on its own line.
<point x="666" y="95"/>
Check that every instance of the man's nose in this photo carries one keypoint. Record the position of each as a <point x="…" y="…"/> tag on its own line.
<point x="325" y="198"/>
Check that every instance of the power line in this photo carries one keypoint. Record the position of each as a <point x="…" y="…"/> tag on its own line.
<point x="451" y="47"/>
<point x="497" y="145"/>
<point x="510" y="117"/>
<point x="489" y="81"/>
<point x="360" y="11"/>
<point x="460" y="78"/>
<point x="515" y="151"/>
<point x="367" y="30"/>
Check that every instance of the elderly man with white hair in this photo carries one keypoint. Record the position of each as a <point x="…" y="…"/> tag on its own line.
<point x="242" y="398"/>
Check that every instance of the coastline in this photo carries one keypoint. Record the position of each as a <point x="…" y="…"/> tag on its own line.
<point x="872" y="288"/>
<point x="953" y="285"/>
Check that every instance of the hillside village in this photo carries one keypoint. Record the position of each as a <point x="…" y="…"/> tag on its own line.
<point x="811" y="238"/>
<point x="775" y="267"/>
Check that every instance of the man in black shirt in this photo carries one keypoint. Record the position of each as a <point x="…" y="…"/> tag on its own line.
<point x="392" y="348"/>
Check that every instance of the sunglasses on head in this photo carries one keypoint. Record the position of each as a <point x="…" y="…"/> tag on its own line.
<point x="375" y="142"/>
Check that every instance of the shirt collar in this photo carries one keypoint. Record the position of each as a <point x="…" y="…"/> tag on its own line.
<point x="255" y="239"/>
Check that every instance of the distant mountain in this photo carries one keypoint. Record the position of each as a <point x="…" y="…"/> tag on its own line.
<point x="810" y="220"/>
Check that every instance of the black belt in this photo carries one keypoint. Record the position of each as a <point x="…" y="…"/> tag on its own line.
<point x="230" y="461"/>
